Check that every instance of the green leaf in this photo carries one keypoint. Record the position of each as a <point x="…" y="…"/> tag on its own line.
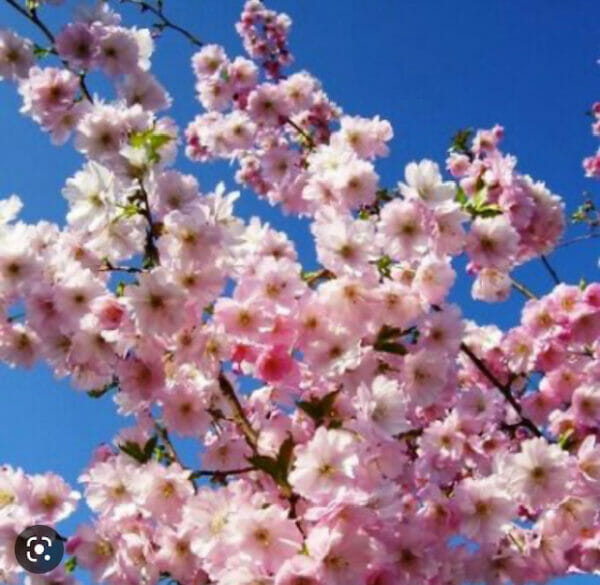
<point x="583" y="283"/>
<point x="383" y="195"/>
<point x="267" y="464"/>
<point x="149" y="447"/>
<point x="461" y="139"/>
<point x="385" y="341"/>
<point x="284" y="457"/>
<point x="151" y="141"/>
<point x="564" y="441"/>
<point x="461" y="196"/>
<point x="391" y="347"/>
<point x="99" y="392"/>
<point x="140" y="454"/>
<point x="278" y="468"/>
<point x="384" y="265"/>
<point x="31" y="5"/>
<point x="319" y="408"/>
<point x="120" y="290"/>
<point x="133" y="450"/>
<point x="41" y="52"/>
<point x="70" y="565"/>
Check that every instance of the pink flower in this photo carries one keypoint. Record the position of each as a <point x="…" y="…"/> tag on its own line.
<point x="384" y="406"/>
<point x="492" y="243"/>
<point x="402" y="234"/>
<point x="276" y="365"/>
<point x="16" y="56"/>
<point x="485" y="509"/>
<point x="156" y="302"/>
<point x="266" y="536"/>
<point x="165" y="490"/>
<point x="433" y="279"/>
<point x="367" y="137"/>
<point x="325" y="465"/>
<point x="268" y="104"/>
<point x="51" y="499"/>
<point x="118" y="51"/>
<point x="112" y="488"/>
<point x="539" y="474"/>
<point x="424" y="182"/>
<point x="586" y="404"/>
<point x="77" y="43"/>
<point x="425" y="375"/>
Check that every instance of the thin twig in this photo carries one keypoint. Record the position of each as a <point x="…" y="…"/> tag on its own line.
<point x="309" y="139"/>
<point x="221" y="472"/>
<point x="164" y="21"/>
<point x="522" y="289"/>
<point x="578" y="239"/>
<point x="504" y="389"/>
<point x="551" y="270"/>
<point x="33" y="17"/>
<point x="170" y="448"/>
<point x="128" y="269"/>
<point x="239" y="415"/>
<point x="151" y="251"/>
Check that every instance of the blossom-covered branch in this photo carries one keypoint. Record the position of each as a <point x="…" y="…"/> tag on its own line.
<point x="353" y="425"/>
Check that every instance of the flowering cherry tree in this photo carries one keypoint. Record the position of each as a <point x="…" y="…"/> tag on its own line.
<point x="354" y="428"/>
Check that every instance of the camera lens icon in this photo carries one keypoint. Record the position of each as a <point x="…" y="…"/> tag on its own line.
<point x="39" y="549"/>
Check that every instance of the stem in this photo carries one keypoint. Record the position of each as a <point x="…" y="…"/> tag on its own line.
<point x="164" y="21"/>
<point x="309" y="139"/>
<point x="221" y="473"/>
<point x="317" y="275"/>
<point x="33" y="17"/>
<point x="578" y="239"/>
<point x="151" y="251"/>
<point x="170" y="448"/>
<point x="551" y="270"/>
<point x="239" y="415"/>
<point x="108" y="267"/>
<point x="504" y="389"/>
<point x="522" y="288"/>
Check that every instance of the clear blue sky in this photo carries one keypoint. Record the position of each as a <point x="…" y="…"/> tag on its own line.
<point x="430" y="67"/>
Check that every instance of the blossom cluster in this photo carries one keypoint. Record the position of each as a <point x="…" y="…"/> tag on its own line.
<point x="27" y="500"/>
<point x="591" y="164"/>
<point x="353" y="427"/>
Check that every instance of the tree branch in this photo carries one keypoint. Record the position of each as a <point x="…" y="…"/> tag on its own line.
<point x="504" y="390"/>
<point x="221" y="472"/>
<point x="151" y="254"/>
<point x="578" y="239"/>
<point x="164" y="21"/>
<point x="309" y="139"/>
<point x="522" y="289"/>
<point x="239" y="416"/>
<point x="550" y="270"/>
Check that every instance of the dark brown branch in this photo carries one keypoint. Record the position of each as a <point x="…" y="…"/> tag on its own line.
<point x="309" y="139"/>
<point x="169" y="447"/>
<point x="165" y="22"/>
<point x="504" y="390"/>
<point x="108" y="267"/>
<point x="151" y="254"/>
<point x="522" y="288"/>
<point x="550" y="270"/>
<point x="239" y="416"/>
<point x="578" y="239"/>
<point x="221" y="472"/>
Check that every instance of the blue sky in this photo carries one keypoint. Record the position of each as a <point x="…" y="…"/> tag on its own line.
<point x="430" y="67"/>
